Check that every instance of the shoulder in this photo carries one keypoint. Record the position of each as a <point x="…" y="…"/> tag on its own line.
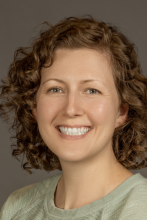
<point x="138" y="194"/>
<point x="21" y="198"/>
<point x="135" y="207"/>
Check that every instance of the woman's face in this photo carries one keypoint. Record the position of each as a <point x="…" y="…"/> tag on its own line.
<point x="75" y="102"/>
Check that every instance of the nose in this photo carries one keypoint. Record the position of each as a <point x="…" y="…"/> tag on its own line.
<point x="73" y="105"/>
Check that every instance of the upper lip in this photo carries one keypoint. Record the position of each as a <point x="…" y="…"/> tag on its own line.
<point x="73" y="126"/>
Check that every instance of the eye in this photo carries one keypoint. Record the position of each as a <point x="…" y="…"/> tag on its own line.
<point x="93" y="90"/>
<point x="55" y="88"/>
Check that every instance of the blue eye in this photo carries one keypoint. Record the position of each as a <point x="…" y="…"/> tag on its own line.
<point x="93" y="90"/>
<point x="55" y="88"/>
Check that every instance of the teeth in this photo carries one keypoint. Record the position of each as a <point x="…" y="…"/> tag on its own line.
<point x="74" y="131"/>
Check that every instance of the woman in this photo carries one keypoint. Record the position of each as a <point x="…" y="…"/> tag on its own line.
<point x="80" y="106"/>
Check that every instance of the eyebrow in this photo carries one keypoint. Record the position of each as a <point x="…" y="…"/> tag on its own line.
<point x="82" y="81"/>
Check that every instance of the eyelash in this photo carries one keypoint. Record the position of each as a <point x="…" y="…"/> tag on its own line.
<point x="60" y="89"/>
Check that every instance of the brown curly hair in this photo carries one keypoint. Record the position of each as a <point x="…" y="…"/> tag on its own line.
<point x="24" y="76"/>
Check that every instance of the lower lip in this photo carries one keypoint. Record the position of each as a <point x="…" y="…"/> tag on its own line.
<point x="72" y="137"/>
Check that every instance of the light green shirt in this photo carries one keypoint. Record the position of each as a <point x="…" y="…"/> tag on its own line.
<point x="36" y="202"/>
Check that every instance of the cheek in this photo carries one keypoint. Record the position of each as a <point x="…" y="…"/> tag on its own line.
<point x="100" y="112"/>
<point x="46" y="110"/>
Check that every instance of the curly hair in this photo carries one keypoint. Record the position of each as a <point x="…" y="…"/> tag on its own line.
<point x="24" y="76"/>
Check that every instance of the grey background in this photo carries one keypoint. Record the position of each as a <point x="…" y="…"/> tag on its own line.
<point x="17" y="22"/>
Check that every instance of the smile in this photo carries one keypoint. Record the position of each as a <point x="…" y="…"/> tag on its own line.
<point x="73" y="134"/>
<point x="73" y="131"/>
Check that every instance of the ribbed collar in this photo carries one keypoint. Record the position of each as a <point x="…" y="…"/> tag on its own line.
<point x="58" y="213"/>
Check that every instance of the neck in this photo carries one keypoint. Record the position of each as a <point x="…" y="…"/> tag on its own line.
<point x="83" y="183"/>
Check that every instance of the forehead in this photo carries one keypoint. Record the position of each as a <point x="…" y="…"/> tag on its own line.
<point x="74" y="66"/>
<point x="79" y="64"/>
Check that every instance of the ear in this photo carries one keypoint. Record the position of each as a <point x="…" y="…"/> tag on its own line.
<point x="122" y="114"/>
<point x="34" y="113"/>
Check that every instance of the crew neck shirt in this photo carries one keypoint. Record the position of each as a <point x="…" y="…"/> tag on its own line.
<point x="128" y="201"/>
